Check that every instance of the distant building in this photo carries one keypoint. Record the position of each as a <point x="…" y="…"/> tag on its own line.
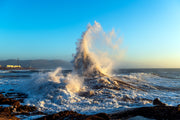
<point x="13" y="66"/>
<point x="0" y="66"/>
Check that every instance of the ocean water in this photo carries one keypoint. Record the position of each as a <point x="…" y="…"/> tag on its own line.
<point x="58" y="90"/>
<point x="90" y="88"/>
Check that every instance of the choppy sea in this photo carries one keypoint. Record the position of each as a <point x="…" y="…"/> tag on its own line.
<point x="58" y="90"/>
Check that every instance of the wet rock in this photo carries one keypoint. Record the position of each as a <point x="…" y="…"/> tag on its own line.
<point x="160" y="111"/>
<point x="157" y="102"/>
<point x="4" y="117"/>
<point x="6" y="110"/>
<point x="87" y="93"/>
<point x="71" y="115"/>
<point x="94" y="118"/>
<point x="1" y="96"/>
<point x="62" y="115"/>
<point x="9" y="101"/>
<point x="16" y="103"/>
<point x="100" y="116"/>
<point x="15" y="107"/>
<point x="5" y="114"/>
<point x="25" y="109"/>
<point x="178" y="107"/>
<point x="156" y="112"/>
<point x="16" y="96"/>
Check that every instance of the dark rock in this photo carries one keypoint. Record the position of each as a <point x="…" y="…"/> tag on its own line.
<point x="160" y="111"/>
<point x="100" y="116"/>
<point x="87" y="93"/>
<point x="156" y="112"/>
<point x="63" y="115"/>
<point x="71" y="115"/>
<point x="178" y="107"/>
<point x="16" y="96"/>
<point x="25" y="108"/>
<point x="6" y="110"/>
<point x="9" y="101"/>
<point x="4" y="117"/>
<point x="7" y="113"/>
<point x="94" y="118"/>
<point x="1" y="96"/>
<point x="15" y="103"/>
<point x="5" y="101"/>
<point x="157" y="102"/>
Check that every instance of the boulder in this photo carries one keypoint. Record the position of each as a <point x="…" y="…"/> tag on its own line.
<point x="157" y="102"/>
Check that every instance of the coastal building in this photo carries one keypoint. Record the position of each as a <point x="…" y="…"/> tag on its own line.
<point x="13" y="66"/>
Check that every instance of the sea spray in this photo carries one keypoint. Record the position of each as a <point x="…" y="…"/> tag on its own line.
<point x="92" y="65"/>
<point x="53" y="97"/>
<point x="74" y="83"/>
<point x="89" y="88"/>
<point x="97" y="52"/>
<point x="45" y="83"/>
<point x="53" y="76"/>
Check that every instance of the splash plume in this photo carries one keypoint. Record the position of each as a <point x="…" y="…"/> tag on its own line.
<point x="95" y="51"/>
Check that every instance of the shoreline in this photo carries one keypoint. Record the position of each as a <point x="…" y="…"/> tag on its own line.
<point x="11" y="108"/>
<point x="5" y="68"/>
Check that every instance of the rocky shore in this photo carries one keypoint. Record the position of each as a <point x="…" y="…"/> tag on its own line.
<point x="11" y="108"/>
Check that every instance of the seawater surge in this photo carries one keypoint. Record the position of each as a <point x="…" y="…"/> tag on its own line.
<point x="91" y="87"/>
<point x="96" y="51"/>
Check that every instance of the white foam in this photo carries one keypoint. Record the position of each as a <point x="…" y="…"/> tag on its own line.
<point x="4" y="71"/>
<point x="52" y="95"/>
<point x="89" y="89"/>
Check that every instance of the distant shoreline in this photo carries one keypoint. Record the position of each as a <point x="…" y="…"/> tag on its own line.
<point x="5" y="68"/>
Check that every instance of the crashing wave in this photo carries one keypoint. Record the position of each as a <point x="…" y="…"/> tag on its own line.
<point x="90" y="86"/>
<point x="86" y="62"/>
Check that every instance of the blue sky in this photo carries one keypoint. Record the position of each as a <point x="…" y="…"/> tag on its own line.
<point x="48" y="29"/>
